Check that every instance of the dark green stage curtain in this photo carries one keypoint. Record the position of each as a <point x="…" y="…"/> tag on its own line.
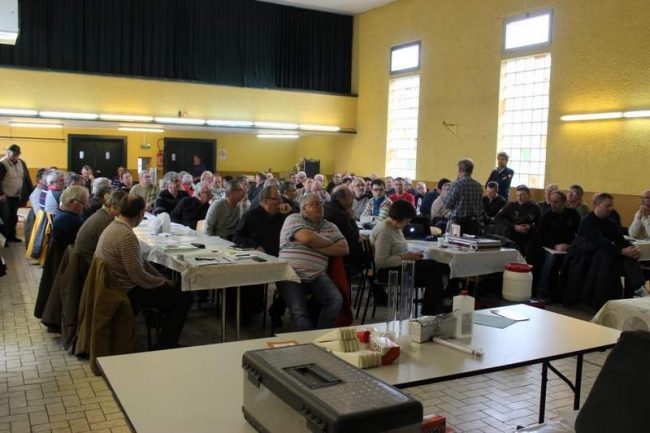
<point x="234" y="42"/>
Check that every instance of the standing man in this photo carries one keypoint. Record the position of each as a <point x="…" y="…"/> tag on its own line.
<point x="12" y="175"/>
<point x="502" y="175"/>
<point x="464" y="199"/>
<point x="197" y="168"/>
<point x="306" y="242"/>
<point x="88" y="177"/>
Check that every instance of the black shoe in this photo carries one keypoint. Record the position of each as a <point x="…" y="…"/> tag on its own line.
<point x="14" y="239"/>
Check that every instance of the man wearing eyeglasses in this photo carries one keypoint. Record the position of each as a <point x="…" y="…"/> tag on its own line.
<point x="12" y="175"/>
<point x="379" y="205"/>
<point x="640" y="227"/>
<point x="190" y="210"/>
<point x="307" y="241"/>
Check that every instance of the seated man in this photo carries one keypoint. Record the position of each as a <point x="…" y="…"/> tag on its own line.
<point x="69" y="219"/>
<point x="640" y="227"/>
<point x="605" y="235"/>
<point x="218" y="191"/>
<point x="187" y="184"/>
<point x="545" y="205"/>
<point x="339" y="211"/>
<point x="379" y="205"/>
<point x="93" y="227"/>
<point x="119" y="248"/>
<point x="360" y="197"/>
<point x="401" y="193"/>
<point x="574" y="200"/>
<point x="126" y="181"/>
<point x="171" y="194"/>
<point x="288" y="191"/>
<point x="557" y="230"/>
<point x="306" y="242"/>
<point x="146" y="189"/>
<point x="223" y="215"/>
<point x="260" y="228"/>
<point x="421" y="191"/>
<point x="55" y="186"/>
<point x="101" y="189"/>
<point x="190" y="210"/>
<point x="431" y="196"/>
<point x="521" y="218"/>
<point x="492" y="201"/>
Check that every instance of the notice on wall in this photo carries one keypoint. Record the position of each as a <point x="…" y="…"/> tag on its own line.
<point x="222" y="154"/>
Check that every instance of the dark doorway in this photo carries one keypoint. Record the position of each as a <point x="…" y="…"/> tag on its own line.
<point x="103" y="154"/>
<point x="179" y="151"/>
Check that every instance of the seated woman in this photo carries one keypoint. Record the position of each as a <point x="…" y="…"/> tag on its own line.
<point x="390" y="249"/>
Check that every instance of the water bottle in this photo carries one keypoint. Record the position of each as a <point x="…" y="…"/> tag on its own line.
<point x="448" y="230"/>
<point x="406" y="296"/>
<point x="463" y="309"/>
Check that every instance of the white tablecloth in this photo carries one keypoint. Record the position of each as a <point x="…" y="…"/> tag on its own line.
<point x="224" y="267"/>
<point x="466" y="263"/>
<point x="625" y="314"/>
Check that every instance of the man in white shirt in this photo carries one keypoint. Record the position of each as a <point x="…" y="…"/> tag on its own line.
<point x="640" y="227"/>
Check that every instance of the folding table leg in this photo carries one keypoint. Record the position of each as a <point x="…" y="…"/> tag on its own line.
<point x="223" y="315"/>
<point x="238" y="314"/>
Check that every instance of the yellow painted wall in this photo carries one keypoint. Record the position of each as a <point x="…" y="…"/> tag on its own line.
<point x="100" y="94"/>
<point x="599" y="63"/>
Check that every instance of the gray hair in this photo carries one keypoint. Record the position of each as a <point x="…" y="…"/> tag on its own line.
<point x="71" y="193"/>
<point x="71" y="178"/>
<point x="168" y="177"/>
<point x="307" y="198"/>
<point x="272" y="182"/>
<point x="266" y="192"/>
<point x="101" y="183"/>
<point x="187" y="179"/>
<point x="115" y="199"/>
<point x="53" y="175"/>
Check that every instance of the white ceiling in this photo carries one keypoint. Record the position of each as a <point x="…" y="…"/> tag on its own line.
<point x="348" y="7"/>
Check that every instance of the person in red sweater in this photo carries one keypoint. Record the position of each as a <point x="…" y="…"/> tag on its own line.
<point x="400" y="193"/>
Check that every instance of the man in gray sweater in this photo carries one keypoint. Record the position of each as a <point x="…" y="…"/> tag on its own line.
<point x="223" y="215"/>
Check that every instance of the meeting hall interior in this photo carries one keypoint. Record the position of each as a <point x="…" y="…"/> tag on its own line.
<point x="245" y="166"/>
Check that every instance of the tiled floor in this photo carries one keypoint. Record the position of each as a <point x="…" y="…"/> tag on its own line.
<point x="43" y="389"/>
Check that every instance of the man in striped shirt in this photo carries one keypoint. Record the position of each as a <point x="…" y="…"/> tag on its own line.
<point x="119" y="248"/>
<point x="306" y="242"/>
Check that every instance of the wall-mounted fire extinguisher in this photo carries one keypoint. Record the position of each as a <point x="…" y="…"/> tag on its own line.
<point x="159" y="156"/>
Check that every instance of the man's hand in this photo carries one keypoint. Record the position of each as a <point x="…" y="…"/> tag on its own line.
<point x="561" y="247"/>
<point x="411" y="256"/>
<point x="522" y="228"/>
<point x="631" y="252"/>
<point x="643" y="212"/>
<point x="284" y="208"/>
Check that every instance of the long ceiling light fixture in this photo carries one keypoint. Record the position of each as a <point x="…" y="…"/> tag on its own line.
<point x="230" y="123"/>
<point x="153" y="121"/>
<point x="636" y="114"/>
<point x="180" y="121"/>
<point x="139" y="129"/>
<point x="35" y="125"/>
<point x="68" y="115"/>
<point x="17" y="112"/>
<point x="125" y="118"/>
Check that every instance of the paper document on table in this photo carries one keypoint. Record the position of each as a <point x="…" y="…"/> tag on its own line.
<point x="509" y="314"/>
<point x="179" y="248"/>
<point x="492" y="320"/>
<point x="552" y="251"/>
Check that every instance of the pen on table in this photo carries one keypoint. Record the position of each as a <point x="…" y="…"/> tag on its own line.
<point x="204" y="258"/>
<point x="458" y="346"/>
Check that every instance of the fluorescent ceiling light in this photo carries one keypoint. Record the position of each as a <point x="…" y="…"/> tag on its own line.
<point x="276" y="125"/>
<point x="231" y="123"/>
<point x="8" y="37"/>
<point x="592" y="116"/>
<point x="285" y="136"/>
<point x="17" y="112"/>
<point x="638" y="113"/>
<point x="35" y="125"/>
<point x="180" y="121"/>
<point x="68" y="115"/>
<point x="323" y="128"/>
<point x="138" y="129"/>
<point x="125" y="118"/>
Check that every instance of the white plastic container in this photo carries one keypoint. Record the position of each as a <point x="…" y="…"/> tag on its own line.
<point x="517" y="282"/>
<point x="463" y="309"/>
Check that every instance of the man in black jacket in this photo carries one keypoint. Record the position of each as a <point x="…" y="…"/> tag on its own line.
<point x="339" y="211"/>
<point x="260" y="228"/>
<point x="521" y="217"/>
<point x="190" y="210"/>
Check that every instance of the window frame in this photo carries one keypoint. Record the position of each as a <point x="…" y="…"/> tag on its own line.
<point x="394" y="48"/>
<point x="527" y="49"/>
